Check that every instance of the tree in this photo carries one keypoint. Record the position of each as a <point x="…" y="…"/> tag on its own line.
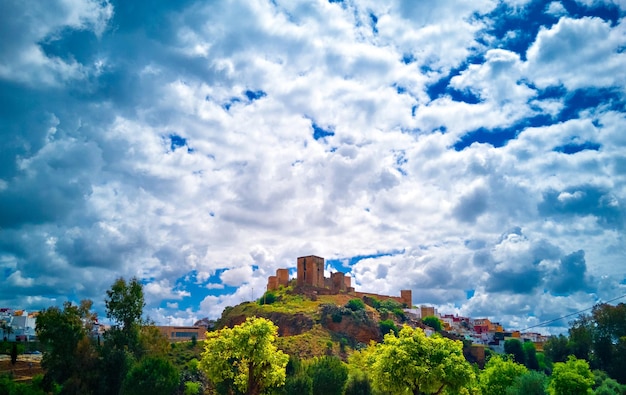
<point x="499" y="374"/>
<point x="530" y="383"/>
<point x="60" y="332"/>
<point x="125" y="302"/>
<point x="433" y="322"/>
<point x="152" y="375"/>
<point x="556" y="348"/>
<point x="609" y="339"/>
<point x="581" y="337"/>
<point x="358" y="384"/>
<point x="123" y="345"/>
<point x="14" y="354"/>
<point x="245" y="357"/>
<point x="329" y="375"/>
<point x="530" y="356"/>
<point x="418" y="364"/>
<point x="571" y="377"/>
<point x="514" y="347"/>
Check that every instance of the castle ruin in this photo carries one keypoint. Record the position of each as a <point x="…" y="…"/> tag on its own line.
<point x="310" y="277"/>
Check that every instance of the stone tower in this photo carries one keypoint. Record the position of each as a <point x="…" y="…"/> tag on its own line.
<point x="311" y="271"/>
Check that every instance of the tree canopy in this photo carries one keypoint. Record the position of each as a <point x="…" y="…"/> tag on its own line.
<point x="245" y="356"/>
<point x="500" y="374"/>
<point x="418" y="364"/>
<point x="571" y="377"/>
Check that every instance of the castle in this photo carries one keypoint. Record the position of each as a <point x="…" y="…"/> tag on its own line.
<point x="310" y="277"/>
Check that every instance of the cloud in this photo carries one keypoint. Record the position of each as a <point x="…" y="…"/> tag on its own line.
<point x="578" y="53"/>
<point x="201" y="146"/>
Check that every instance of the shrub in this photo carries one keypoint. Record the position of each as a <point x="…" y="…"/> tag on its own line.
<point x="355" y="304"/>
<point x="386" y="326"/>
<point x="268" y="297"/>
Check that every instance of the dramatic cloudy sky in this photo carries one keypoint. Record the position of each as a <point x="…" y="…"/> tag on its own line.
<point x="474" y="152"/>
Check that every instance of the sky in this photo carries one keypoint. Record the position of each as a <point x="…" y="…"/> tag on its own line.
<point x="473" y="152"/>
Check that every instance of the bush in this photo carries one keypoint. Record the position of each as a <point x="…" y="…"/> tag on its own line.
<point x="192" y="388"/>
<point x="386" y="326"/>
<point x="433" y="322"/>
<point x="355" y="304"/>
<point x="268" y="297"/>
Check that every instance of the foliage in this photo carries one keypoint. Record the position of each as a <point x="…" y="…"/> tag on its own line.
<point x="529" y="383"/>
<point x="125" y="302"/>
<point x="152" y="375"/>
<point x="268" y="297"/>
<point x="355" y="304"/>
<point x="387" y="326"/>
<point x="329" y="375"/>
<point x="556" y="349"/>
<point x="416" y="363"/>
<point x="609" y="340"/>
<point x="530" y="356"/>
<point x="358" y="384"/>
<point x="433" y="322"/>
<point x="192" y="388"/>
<point x="10" y="387"/>
<point x="514" y="347"/>
<point x="60" y="332"/>
<point x="245" y="356"/>
<point x="571" y="377"/>
<point x="581" y="337"/>
<point x="500" y="374"/>
<point x="604" y="385"/>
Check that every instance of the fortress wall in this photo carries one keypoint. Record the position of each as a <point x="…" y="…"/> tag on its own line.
<point x="380" y="297"/>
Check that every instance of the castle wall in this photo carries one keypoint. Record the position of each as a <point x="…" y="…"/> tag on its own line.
<point x="381" y="297"/>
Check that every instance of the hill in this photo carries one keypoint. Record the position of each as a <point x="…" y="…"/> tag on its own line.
<point x="314" y="325"/>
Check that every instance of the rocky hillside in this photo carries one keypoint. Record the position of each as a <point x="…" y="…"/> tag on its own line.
<point x="311" y="325"/>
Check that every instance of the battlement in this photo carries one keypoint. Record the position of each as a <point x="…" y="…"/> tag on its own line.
<point x="310" y="275"/>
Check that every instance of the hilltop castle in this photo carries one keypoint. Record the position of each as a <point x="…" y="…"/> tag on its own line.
<point x="310" y="277"/>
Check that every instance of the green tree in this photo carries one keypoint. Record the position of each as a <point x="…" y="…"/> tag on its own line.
<point x="414" y="363"/>
<point x="245" y="356"/>
<point x="571" y="377"/>
<point x="556" y="348"/>
<point x="152" y="375"/>
<point x="123" y="345"/>
<point x="124" y="303"/>
<point x="530" y="383"/>
<point x="530" y="356"/>
<point x="581" y="337"/>
<point x="433" y="322"/>
<point x="329" y="375"/>
<point x="358" y="384"/>
<point x="609" y="340"/>
<point x="500" y="374"/>
<point x="60" y="332"/>
<point x="514" y="347"/>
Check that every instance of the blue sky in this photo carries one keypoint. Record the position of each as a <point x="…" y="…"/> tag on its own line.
<point x="470" y="151"/>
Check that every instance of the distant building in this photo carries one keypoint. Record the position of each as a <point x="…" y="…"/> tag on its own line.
<point x="183" y="333"/>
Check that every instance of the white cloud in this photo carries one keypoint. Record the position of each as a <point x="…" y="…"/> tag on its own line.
<point x="160" y="166"/>
<point x="578" y="53"/>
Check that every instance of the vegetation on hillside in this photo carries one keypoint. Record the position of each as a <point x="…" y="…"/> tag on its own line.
<point x="318" y="355"/>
